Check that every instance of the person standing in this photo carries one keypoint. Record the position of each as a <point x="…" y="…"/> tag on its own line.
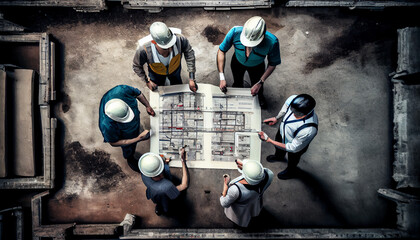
<point x="298" y="128"/>
<point x="157" y="177"/>
<point x="252" y="45"/>
<point x="242" y="197"/>
<point x="162" y="52"/>
<point x="119" y="120"/>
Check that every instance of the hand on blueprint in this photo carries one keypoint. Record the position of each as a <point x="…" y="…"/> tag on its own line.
<point x="255" y="89"/>
<point x="150" y="111"/>
<point x="182" y="153"/>
<point x="165" y="159"/>
<point x="223" y="86"/>
<point x="193" y="85"/>
<point x="263" y="136"/>
<point x="151" y="85"/>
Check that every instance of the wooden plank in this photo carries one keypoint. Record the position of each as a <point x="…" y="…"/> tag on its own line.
<point x="95" y="229"/>
<point x="46" y="140"/>
<point x="3" y="165"/>
<point x="52" y="72"/>
<point x="24" y="157"/>
<point x="30" y="37"/>
<point x="284" y="233"/>
<point x="24" y="183"/>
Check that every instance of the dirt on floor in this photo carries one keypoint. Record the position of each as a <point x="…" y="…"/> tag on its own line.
<point x="340" y="57"/>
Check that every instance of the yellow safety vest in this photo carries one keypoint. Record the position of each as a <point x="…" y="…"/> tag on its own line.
<point x="159" y="68"/>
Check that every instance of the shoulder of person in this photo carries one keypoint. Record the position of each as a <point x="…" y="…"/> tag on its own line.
<point x="180" y="37"/>
<point x="268" y="171"/>
<point x="290" y="99"/>
<point x="144" y="42"/>
<point x="237" y="29"/>
<point x="271" y="36"/>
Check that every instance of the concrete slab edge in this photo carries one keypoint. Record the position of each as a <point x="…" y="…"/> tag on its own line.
<point x="331" y="233"/>
<point x="350" y="4"/>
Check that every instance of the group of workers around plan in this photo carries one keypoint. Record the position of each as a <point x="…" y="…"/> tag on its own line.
<point x="161" y="53"/>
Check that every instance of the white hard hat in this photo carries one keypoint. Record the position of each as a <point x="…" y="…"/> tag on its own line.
<point x="253" y="32"/>
<point x="151" y="164"/>
<point x="119" y="111"/>
<point x="252" y="171"/>
<point x="162" y="35"/>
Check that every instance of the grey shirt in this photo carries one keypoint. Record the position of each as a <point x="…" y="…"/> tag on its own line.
<point x="143" y="55"/>
<point x="161" y="191"/>
<point x="241" y="204"/>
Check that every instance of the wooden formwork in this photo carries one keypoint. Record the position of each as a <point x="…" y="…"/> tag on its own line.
<point x="47" y="125"/>
<point x="79" y="5"/>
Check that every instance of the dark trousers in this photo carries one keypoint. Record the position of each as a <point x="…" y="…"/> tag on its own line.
<point x="128" y="153"/>
<point x="255" y="74"/>
<point x="174" y="78"/>
<point x="293" y="158"/>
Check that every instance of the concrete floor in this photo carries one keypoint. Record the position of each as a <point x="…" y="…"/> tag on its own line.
<point x="340" y="57"/>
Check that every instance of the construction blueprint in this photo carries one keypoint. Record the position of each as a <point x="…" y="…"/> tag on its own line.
<point x="216" y="128"/>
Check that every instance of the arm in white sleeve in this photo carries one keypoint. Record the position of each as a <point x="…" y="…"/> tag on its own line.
<point x="231" y="196"/>
<point x="302" y="140"/>
<point x="283" y="109"/>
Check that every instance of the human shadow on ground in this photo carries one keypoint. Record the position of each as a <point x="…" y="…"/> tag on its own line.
<point x="319" y="190"/>
<point x="262" y="222"/>
<point x="180" y="208"/>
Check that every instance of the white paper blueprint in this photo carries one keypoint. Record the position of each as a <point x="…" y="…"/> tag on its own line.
<point x="217" y="128"/>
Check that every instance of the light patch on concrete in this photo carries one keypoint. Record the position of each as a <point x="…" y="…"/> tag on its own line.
<point x="347" y="161"/>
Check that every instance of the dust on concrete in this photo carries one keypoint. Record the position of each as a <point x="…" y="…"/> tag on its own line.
<point x="76" y="63"/>
<point x="96" y="168"/>
<point x="107" y="49"/>
<point x="360" y="33"/>
<point x="213" y="34"/>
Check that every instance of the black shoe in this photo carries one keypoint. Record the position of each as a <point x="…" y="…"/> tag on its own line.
<point x="158" y="211"/>
<point x="287" y="174"/>
<point x="263" y="103"/>
<point x="273" y="158"/>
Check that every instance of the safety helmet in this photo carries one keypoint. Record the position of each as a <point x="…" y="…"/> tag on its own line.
<point x="162" y="35"/>
<point x="151" y="164"/>
<point x="119" y="111"/>
<point x="302" y="104"/>
<point x="253" y="32"/>
<point x="252" y="171"/>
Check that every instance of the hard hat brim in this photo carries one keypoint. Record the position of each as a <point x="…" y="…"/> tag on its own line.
<point x="248" y="43"/>
<point x="157" y="172"/>
<point x="128" y="118"/>
<point x="252" y="181"/>
<point x="169" y="44"/>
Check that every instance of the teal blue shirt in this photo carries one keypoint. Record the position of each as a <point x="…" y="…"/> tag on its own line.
<point x="111" y="130"/>
<point x="269" y="47"/>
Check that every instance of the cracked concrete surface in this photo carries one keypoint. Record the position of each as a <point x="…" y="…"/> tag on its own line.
<point x="340" y="57"/>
